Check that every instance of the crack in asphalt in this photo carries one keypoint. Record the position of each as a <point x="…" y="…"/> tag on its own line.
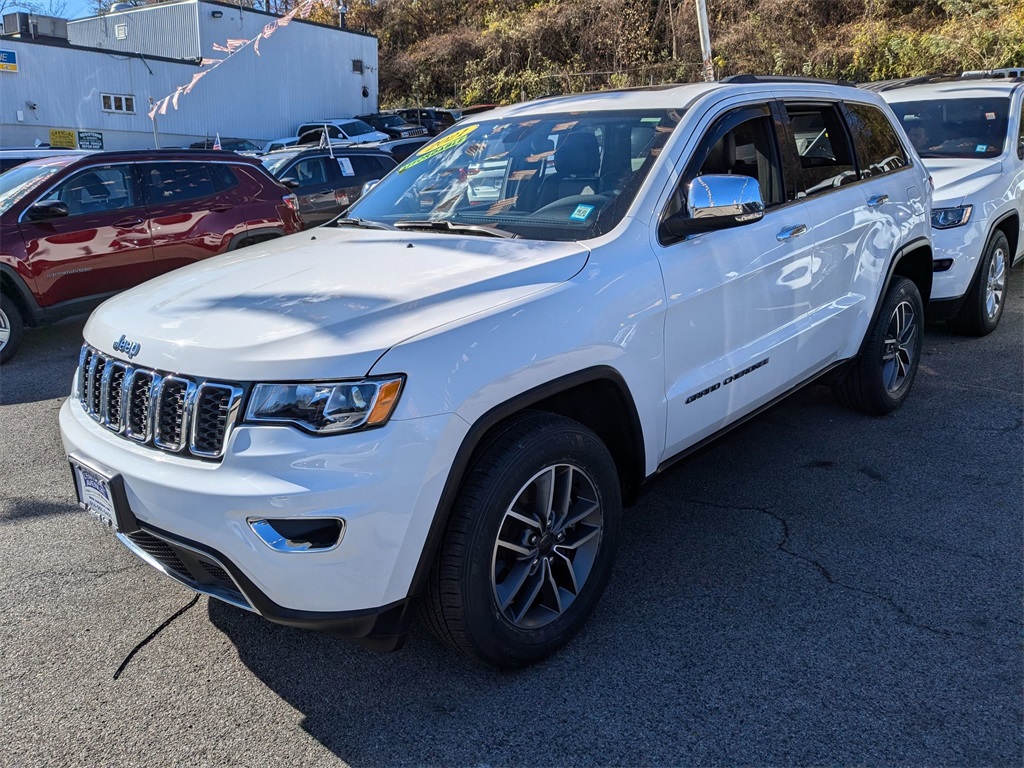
<point x="152" y="635"/>
<point x="783" y="546"/>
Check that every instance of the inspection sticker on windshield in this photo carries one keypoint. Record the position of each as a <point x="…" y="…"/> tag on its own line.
<point x="582" y="213"/>
<point x="981" y="148"/>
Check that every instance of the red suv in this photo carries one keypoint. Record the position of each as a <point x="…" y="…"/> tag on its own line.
<point x="77" y="229"/>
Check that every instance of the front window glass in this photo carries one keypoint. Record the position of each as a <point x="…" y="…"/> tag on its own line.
<point x="956" y="127"/>
<point x="97" y="190"/>
<point x="21" y="180"/>
<point x="564" y="176"/>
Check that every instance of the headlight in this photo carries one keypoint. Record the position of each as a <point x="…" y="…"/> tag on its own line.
<point x="947" y="218"/>
<point x="325" y="409"/>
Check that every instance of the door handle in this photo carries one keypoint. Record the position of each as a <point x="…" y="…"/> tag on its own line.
<point x="220" y="208"/>
<point x="128" y="222"/>
<point x="324" y="192"/>
<point x="790" y="232"/>
<point x="877" y="200"/>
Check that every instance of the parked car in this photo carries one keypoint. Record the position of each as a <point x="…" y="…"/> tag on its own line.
<point x="11" y="158"/>
<point x="442" y="403"/>
<point x="970" y="133"/>
<point x="434" y="119"/>
<point x="394" y="125"/>
<point x="476" y="109"/>
<point x="400" y="149"/>
<point x="241" y="146"/>
<point x="276" y="144"/>
<point x="76" y="229"/>
<point x="327" y="181"/>
<point x="352" y="130"/>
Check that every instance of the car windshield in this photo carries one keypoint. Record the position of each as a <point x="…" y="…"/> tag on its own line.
<point x="565" y="176"/>
<point x="356" y="128"/>
<point x="19" y="181"/>
<point x="276" y="162"/>
<point x="956" y="127"/>
<point x="390" y="121"/>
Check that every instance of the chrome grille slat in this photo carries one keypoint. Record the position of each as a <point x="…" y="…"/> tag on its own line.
<point x="173" y="413"/>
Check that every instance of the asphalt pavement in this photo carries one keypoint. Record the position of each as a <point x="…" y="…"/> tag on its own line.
<point x="818" y="587"/>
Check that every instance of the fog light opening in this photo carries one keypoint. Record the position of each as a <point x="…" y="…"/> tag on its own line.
<point x="941" y="265"/>
<point x="306" y="534"/>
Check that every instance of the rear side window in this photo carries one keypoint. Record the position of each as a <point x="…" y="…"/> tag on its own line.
<point x="823" y="149"/>
<point x="878" y="147"/>
<point x="97" y="190"/>
<point x="224" y="176"/>
<point x="366" y="165"/>
<point x="176" y="182"/>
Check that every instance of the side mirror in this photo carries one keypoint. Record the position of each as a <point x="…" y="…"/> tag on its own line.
<point x="290" y="182"/>
<point x="44" y="211"/>
<point x="716" y="202"/>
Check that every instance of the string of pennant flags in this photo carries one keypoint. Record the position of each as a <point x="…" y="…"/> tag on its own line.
<point x="232" y="47"/>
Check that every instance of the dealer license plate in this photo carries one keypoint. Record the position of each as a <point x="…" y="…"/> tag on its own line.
<point x="94" y="494"/>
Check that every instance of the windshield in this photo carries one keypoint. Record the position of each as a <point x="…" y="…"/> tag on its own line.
<point x="390" y="121"/>
<point x="275" y="163"/>
<point x="356" y="128"/>
<point x="564" y="176"/>
<point x="956" y="127"/>
<point x="17" y="182"/>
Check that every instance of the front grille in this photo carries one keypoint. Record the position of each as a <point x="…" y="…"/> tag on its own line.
<point x="173" y="413"/>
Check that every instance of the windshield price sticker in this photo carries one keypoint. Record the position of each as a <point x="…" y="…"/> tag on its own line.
<point x="436" y="148"/>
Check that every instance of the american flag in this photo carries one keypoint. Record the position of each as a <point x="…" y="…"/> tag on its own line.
<point x="216" y="141"/>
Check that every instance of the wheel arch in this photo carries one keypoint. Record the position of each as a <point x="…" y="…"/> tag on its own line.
<point x="597" y="397"/>
<point x="13" y="285"/>
<point x="1009" y="225"/>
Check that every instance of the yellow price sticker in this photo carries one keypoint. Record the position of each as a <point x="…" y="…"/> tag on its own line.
<point x="436" y="148"/>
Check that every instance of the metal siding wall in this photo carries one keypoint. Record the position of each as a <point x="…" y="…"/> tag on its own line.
<point x="303" y="72"/>
<point x="169" y="30"/>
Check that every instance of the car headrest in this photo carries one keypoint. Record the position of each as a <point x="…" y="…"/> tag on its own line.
<point x="722" y="156"/>
<point x="94" y="185"/>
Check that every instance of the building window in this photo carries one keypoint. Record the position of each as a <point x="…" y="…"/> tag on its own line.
<point x="121" y="31"/>
<point x="118" y="103"/>
<point x="357" y="65"/>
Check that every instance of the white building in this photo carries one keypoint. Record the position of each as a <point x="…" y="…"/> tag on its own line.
<point x="94" y="86"/>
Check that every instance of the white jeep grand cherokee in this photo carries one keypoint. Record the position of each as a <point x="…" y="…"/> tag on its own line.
<point x="445" y="398"/>
<point x="970" y="133"/>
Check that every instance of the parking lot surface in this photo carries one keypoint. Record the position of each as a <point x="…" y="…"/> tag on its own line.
<point x="817" y="587"/>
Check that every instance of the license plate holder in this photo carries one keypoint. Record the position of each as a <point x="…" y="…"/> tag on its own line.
<point x="94" y="494"/>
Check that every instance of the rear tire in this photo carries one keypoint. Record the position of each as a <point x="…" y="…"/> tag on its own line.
<point x="983" y="305"/>
<point x="881" y="378"/>
<point x="530" y="543"/>
<point x="11" y="328"/>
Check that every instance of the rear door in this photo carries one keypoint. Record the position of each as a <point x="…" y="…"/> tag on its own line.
<point x="192" y="214"/>
<point x="357" y="170"/>
<point x="102" y="246"/>
<point x="850" y="181"/>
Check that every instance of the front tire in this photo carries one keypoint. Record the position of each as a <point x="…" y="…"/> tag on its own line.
<point x="881" y="378"/>
<point x="530" y="543"/>
<point x="983" y="305"/>
<point x="11" y="328"/>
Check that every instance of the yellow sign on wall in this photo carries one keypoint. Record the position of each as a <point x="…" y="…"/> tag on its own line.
<point x="62" y="138"/>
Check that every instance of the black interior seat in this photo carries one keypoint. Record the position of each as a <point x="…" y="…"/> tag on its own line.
<point x="577" y="161"/>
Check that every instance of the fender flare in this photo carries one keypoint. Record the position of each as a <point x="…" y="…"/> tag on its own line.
<point x="499" y="413"/>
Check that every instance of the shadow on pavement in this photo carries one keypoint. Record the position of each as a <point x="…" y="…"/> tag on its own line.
<point x="44" y="365"/>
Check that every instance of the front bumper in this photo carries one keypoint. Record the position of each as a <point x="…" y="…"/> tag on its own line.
<point x="385" y="483"/>
<point x="964" y="245"/>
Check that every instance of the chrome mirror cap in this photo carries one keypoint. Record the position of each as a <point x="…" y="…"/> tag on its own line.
<point x="721" y="198"/>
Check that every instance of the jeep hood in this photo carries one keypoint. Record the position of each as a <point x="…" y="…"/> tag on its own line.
<point x="322" y="304"/>
<point x="956" y="178"/>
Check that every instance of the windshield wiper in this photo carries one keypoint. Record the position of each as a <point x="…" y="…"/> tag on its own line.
<point x="353" y="222"/>
<point x="444" y="225"/>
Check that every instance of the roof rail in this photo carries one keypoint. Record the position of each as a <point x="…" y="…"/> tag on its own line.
<point x="740" y="79"/>
<point x="904" y="82"/>
<point x="1007" y="73"/>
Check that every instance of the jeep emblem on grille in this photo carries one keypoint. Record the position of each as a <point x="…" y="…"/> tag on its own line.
<point x="130" y="348"/>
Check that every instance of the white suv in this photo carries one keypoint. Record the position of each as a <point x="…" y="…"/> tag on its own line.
<point x="445" y="398"/>
<point x="970" y="133"/>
